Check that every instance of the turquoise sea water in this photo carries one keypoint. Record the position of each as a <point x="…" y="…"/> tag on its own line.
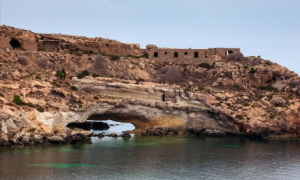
<point x="176" y="157"/>
<point x="179" y="157"/>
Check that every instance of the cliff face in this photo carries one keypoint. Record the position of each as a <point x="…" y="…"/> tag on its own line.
<point x="42" y="92"/>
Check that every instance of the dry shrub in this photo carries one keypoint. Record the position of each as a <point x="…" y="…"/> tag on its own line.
<point x="43" y="62"/>
<point x="235" y="57"/>
<point x="100" y="66"/>
<point x="173" y="75"/>
<point x="23" y="61"/>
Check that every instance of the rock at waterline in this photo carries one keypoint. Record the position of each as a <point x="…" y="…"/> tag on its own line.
<point x="56" y="139"/>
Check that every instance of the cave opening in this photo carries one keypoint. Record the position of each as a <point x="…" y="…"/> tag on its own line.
<point x="15" y="44"/>
<point x="112" y="123"/>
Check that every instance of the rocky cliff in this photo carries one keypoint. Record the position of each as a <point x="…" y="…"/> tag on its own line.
<point x="42" y="92"/>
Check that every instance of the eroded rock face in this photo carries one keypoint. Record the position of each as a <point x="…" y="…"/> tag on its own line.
<point x="249" y="96"/>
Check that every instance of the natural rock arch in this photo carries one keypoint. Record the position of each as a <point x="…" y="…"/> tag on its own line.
<point x="145" y="115"/>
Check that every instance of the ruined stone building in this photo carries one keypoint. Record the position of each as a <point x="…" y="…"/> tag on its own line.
<point x="12" y="38"/>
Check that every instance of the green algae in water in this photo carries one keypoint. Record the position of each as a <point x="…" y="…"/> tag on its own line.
<point x="27" y="151"/>
<point x="139" y="142"/>
<point x="66" y="150"/>
<point x="62" y="166"/>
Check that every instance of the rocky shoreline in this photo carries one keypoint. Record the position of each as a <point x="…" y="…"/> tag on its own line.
<point x="44" y="139"/>
<point x="25" y="140"/>
<point x="161" y="131"/>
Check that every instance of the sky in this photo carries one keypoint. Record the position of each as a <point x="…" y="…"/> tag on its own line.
<point x="269" y="28"/>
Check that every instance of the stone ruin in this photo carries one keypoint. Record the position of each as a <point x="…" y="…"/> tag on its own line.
<point x="18" y="39"/>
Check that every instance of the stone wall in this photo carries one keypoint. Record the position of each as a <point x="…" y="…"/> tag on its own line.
<point x="49" y="45"/>
<point x="54" y="42"/>
<point x="188" y="55"/>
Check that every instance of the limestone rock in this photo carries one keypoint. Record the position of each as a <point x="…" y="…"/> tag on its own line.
<point x="142" y="65"/>
<point x="151" y="46"/>
<point x="278" y="101"/>
<point x="214" y="133"/>
<point x="56" y="139"/>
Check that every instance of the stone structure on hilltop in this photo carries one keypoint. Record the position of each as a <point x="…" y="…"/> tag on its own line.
<point x="13" y="38"/>
<point x="191" y="55"/>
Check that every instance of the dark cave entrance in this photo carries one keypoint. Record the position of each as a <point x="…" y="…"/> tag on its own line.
<point x="88" y="125"/>
<point x="15" y="44"/>
<point x="163" y="97"/>
<point x="109" y="123"/>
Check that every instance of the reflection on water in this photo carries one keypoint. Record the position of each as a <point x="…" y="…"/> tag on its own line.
<point x="115" y="127"/>
<point x="180" y="157"/>
<point x="61" y="166"/>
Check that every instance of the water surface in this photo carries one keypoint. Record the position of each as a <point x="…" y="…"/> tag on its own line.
<point x="180" y="157"/>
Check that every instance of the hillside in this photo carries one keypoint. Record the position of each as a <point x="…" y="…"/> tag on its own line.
<point x="46" y="86"/>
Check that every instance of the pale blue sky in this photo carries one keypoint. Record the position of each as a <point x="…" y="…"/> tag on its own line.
<point x="270" y="28"/>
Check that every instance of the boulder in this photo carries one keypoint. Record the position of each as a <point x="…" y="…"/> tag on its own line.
<point x="100" y="126"/>
<point x="279" y="85"/>
<point x="151" y="46"/>
<point x="213" y="133"/>
<point x="141" y="65"/>
<point x="25" y="140"/>
<point x="56" y="139"/>
<point x="130" y="66"/>
<point x="256" y="61"/>
<point x="125" y="135"/>
<point x="278" y="101"/>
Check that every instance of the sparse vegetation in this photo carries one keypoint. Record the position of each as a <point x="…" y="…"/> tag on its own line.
<point x="74" y="88"/>
<point x="206" y="66"/>
<point x="268" y="88"/>
<point x="17" y="100"/>
<point x="252" y="71"/>
<point x="246" y="67"/>
<point x="30" y="105"/>
<point x="60" y="74"/>
<point x="83" y="74"/>
<point x="137" y="57"/>
<point x="114" y="57"/>
<point x="236" y="86"/>
<point x="40" y="109"/>
<point x="88" y="52"/>
<point x="246" y="104"/>
<point x="37" y="77"/>
<point x="228" y="74"/>
<point x="31" y="130"/>
<point x="239" y="117"/>
<point x="95" y="75"/>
